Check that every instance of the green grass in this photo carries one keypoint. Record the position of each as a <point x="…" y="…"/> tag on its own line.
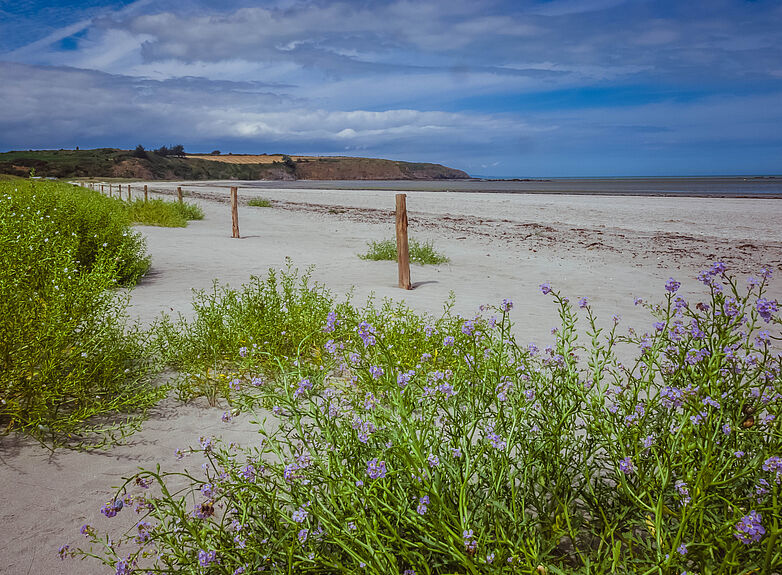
<point x="260" y="203"/>
<point x="163" y="213"/>
<point x="420" y="253"/>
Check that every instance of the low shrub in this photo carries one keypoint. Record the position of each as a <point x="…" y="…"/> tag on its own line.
<point x="420" y="253"/>
<point x="65" y="354"/>
<point x="162" y="213"/>
<point x="260" y="203"/>
<point x="405" y="444"/>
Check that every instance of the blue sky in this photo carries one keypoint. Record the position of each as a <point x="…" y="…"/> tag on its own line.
<point x="496" y="88"/>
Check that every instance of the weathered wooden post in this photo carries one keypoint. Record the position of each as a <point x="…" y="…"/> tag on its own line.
<point x="146" y="194"/>
<point x="235" y="212"/>
<point x="129" y="196"/>
<point x="101" y="188"/>
<point x="179" y="194"/>
<point x="402" y="247"/>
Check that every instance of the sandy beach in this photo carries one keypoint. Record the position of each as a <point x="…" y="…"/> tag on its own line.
<point x="609" y="249"/>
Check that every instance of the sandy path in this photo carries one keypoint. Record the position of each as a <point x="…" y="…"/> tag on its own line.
<point x="610" y="249"/>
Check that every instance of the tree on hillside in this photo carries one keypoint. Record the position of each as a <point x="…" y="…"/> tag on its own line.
<point x="139" y="152"/>
<point x="162" y="151"/>
<point x="215" y="153"/>
<point x="178" y="150"/>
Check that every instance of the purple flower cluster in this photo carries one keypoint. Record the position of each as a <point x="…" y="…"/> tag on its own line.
<point x="376" y="469"/>
<point x="363" y="428"/>
<point x="304" y="385"/>
<point x="497" y="442"/>
<point x="672" y="285"/>
<point x="300" y="515"/>
<point x="774" y="464"/>
<point x="448" y="340"/>
<point x="331" y="322"/>
<point x="205" y="558"/>
<point x="506" y="305"/>
<point x="684" y="492"/>
<point x="376" y="371"/>
<point x="423" y="502"/>
<point x="470" y="544"/>
<point x="432" y="460"/>
<point x="367" y="333"/>
<point x="749" y="529"/>
<point x="404" y="378"/>
<point x="626" y="465"/>
<point x="766" y="308"/>
<point x="111" y="508"/>
<point x="545" y="288"/>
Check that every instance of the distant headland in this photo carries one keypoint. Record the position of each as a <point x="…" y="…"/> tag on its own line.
<point x="174" y="164"/>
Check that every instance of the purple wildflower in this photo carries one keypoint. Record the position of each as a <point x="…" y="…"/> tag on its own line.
<point x="367" y="333"/>
<point x="300" y="515"/>
<point x="376" y="371"/>
<point x="304" y="385"/>
<point x="682" y="549"/>
<point x="626" y="465"/>
<point x="376" y="469"/>
<point x="506" y="305"/>
<point x="303" y="535"/>
<point x="774" y="464"/>
<point x="433" y="460"/>
<point x="205" y="558"/>
<point x="111" y="508"/>
<point x="766" y="308"/>
<point x="456" y="452"/>
<point x="448" y="340"/>
<point x="749" y="529"/>
<point x="545" y="288"/>
<point x="672" y="286"/>
<point x="248" y="472"/>
<point x="331" y="322"/>
<point x="583" y="303"/>
<point x="684" y="492"/>
<point x="64" y="551"/>
<point x="468" y="327"/>
<point x="242" y="352"/>
<point x="470" y="544"/>
<point x="403" y="379"/>
<point x="423" y="502"/>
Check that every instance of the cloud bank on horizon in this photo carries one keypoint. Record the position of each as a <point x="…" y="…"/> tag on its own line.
<point x="496" y="88"/>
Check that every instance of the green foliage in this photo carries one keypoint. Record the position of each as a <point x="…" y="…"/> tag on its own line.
<point x="260" y="203"/>
<point x="420" y="253"/>
<point x="65" y="354"/>
<point x="139" y="152"/>
<point x="162" y="213"/>
<point x="405" y="442"/>
<point x="281" y="315"/>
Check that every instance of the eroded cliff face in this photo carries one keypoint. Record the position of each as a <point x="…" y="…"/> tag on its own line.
<point x="110" y="162"/>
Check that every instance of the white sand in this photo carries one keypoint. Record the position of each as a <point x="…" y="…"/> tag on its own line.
<point x="610" y="249"/>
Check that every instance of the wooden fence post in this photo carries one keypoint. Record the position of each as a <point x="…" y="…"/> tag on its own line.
<point x="146" y="194"/>
<point x="235" y="212"/>
<point x="402" y="247"/>
<point x="129" y="195"/>
<point x="179" y="194"/>
<point x="101" y="188"/>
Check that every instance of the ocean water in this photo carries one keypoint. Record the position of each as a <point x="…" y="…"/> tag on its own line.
<point x="726" y="186"/>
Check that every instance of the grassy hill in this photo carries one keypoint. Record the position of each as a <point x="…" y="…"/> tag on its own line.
<point x="115" y="163"/>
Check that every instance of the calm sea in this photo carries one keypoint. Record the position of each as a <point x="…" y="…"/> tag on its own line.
<point x="733" y="186"/>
